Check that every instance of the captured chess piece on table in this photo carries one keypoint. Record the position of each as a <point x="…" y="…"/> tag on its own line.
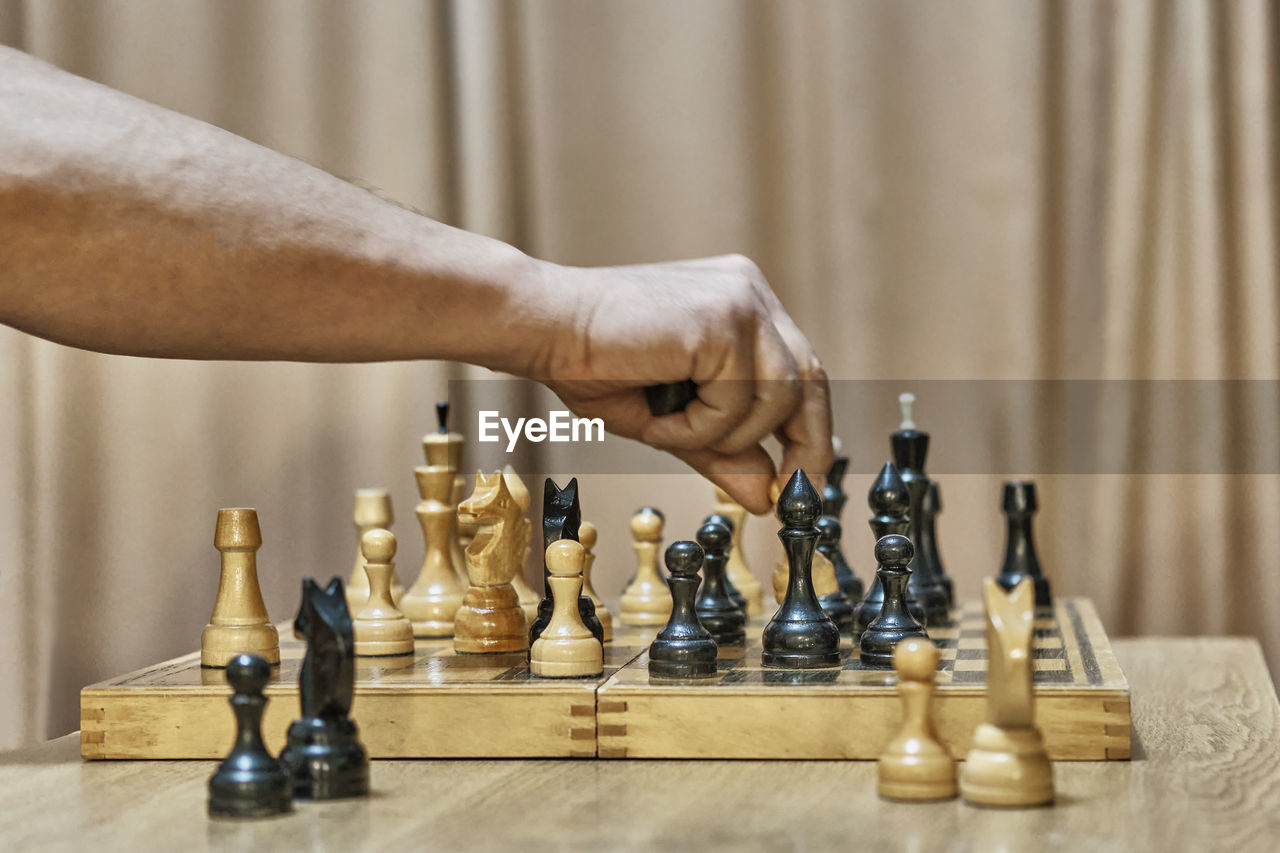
<point x="1020" y="560"/>
<point x="740" y="574"/>
<point x="249" y="782"/>
<point x="381" y="630"/>
<point x="716" y="609"/>
<point x="491" y="620"/>
<point x="1007" y="764"/>
<point x="915" y="765"/>
<point x="323" y="753"/>
<point x="800" y="635"/>
<point x="372" y="511"/>
<point x="647" y="600"/>
<point x="910" y="448"/>
<point x="239" y="623"/>
<point x="566" y="648"/>
<point x="888" y="500"/>
<point x="561" y="518"/>
<point x="683" y="648"/>
<point x="432" y="602"/>
<point x="587" y="535"/>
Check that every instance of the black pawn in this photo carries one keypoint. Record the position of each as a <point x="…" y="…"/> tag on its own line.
<point x="683" y="649"/>
<point x="1020" y="560"/>
<point x="837" y="605"/>
<point x="800" y="635"/>
<point x="716" y="609"/>
<point x="910" y="448"/>
<point x="561" y="517"/>
<point x="889" y="501"/>
<point x="323" y="753"/>
<point x="738" y="598"/>
<point x="894" y="624"/>
<point x="931" y="506"/>
<point x="833" y="501"/>
<point x="249" y="782"/>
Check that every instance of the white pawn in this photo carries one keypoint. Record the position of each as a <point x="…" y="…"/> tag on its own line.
<point x="566" y="648"/>
<point x="648" y="600"/>
<point x="587" y="536"/>
<point x="381" y="629"/>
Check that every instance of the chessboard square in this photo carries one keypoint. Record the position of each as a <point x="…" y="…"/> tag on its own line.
<point x="1049" y="654"/>
<point x="1053" y="642"/>
<point x="1053" y="677"/>
<point x="1051" y="665"/>
<point x="800" y="677"/>
<point x="740" y="676"/>
<point x="971" y="654"/>
<point x="971" y="665"/>
<point x="972" y="632"/>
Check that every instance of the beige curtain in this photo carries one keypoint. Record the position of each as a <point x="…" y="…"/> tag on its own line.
<point x="938" y="191"/>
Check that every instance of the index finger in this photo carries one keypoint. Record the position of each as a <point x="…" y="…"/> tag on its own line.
<point x="806" y="435"/>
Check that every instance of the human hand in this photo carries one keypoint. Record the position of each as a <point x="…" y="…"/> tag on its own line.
<point x="715" y="321"/>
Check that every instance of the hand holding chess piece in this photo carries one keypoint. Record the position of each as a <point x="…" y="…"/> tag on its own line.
<point x="1008" y="765"/>
<point x="915" y="765"/>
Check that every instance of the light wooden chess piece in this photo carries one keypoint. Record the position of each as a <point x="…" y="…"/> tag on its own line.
<point x="1008" y="765"/>
<point x="529" y="600"/>
<point x="443" y="449"/>
<point x="647" y="601"/>
<point x="915" y="765"/>
<point x="435" y="596"/>
<point x="566" y="648"/>
<point x="380" y="629"/>
<point x="739" y="573"/>
<point x="373" y="510"/>
<point x="462" y="534"/>
<point x="491" y="620"/>
<point x="239" y="624"/>
<point x="587" y="537"/>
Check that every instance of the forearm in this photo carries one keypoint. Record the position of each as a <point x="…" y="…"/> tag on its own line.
<point x="131" y="229"/>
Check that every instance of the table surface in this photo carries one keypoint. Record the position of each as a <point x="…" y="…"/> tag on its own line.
<point x="1205" y="775"/>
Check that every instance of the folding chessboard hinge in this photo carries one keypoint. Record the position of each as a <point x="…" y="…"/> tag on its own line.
<point x="582" y="711"/>
<point x="612" y="729"/>
<point x="88" y="715"/>
<point x="613" y="752"/>
<point x="605" y="706"/>
<point x="582" y="734"/>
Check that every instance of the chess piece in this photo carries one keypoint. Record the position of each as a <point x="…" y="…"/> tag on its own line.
<point x="372" y="511"/>
<point x="738" y="598"/>
<point x="889" y="500"/>
<point x="529" y="600"/>
<point x="716" y="609"/>
<point x="1020" y="560"/>
<point x="380" y="628"/>
<point x="1008" y="765"/>
<point x="323" y="753"/>
<point x="491" y="620"/>
<point x="444" y="449"/>
<point x="683" y="648"/>
<point x="738" y="571"/>
<point x="249" y="782"/>
<point x="800" y="635"/>
<point x="833" y="599"/>
<point x="561" y="517"/>
<point x="915" y="765"/>
<point x="833" y="501"/>
<point x="566" y="648"/>
<point x="895" y="623"/>
<point x="931" y="507"/>
<point x="587" y="536"/>
<point x="647" y="600"/>
<point x="910" y="448"/>
<point x="433" y="601"/>
<point x="239" y="623"/>
<point x="460" y="539"/>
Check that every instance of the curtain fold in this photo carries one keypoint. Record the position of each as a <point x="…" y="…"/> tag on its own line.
<point x="992" y="190"/>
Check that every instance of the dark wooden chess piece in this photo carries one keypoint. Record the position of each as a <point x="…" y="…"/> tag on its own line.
<point x="716" y="609"/>
<point x="833" y="501"/>
<point x="323" y="753"/>
<point x="800" y="635"/>
<point x="670" y="397"/>
<point x="910" y="447"/>
<point x="683" y="649"/>
<point x="889" y="500"/>
<point x="894" y="624"/>
<point x="738" y="598"/>
<point x="1020" y="560"/>
<point x="836" y="604"/>
<point x="249" y="782"/>
<point x="931" y="506"/>
<point x="561" y="516"/>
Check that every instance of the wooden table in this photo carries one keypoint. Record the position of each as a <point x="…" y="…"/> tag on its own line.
<point x="1205" y="775"/>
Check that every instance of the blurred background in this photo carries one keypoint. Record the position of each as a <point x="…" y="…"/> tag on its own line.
<point x="998" y="190"/>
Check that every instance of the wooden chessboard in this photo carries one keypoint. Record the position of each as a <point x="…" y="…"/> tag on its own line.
<point x="436" y="704"/>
